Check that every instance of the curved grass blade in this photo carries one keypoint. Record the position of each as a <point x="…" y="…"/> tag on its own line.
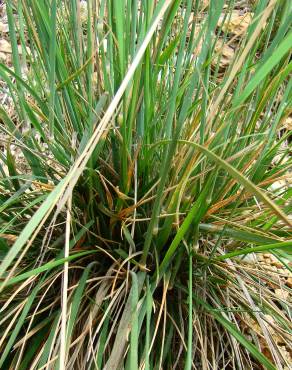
<point x="247" y="184"/>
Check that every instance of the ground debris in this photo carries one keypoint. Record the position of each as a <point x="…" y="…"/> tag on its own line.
<point x="236" y="23"/>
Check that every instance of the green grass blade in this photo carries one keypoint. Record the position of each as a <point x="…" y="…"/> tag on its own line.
<point x="46" y="267"/>
<point x="264" y="69"/>
<point x="260" y="248"/>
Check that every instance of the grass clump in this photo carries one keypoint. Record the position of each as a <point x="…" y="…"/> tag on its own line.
<point x="154" y="166"/>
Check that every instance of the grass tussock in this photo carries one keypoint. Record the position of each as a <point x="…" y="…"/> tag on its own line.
<point x="144" y="189"/>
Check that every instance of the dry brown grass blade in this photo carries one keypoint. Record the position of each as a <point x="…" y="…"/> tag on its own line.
<point x="9" y="237"/>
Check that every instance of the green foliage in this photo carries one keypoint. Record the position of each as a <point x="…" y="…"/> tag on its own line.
<point x="172" y="162"/>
